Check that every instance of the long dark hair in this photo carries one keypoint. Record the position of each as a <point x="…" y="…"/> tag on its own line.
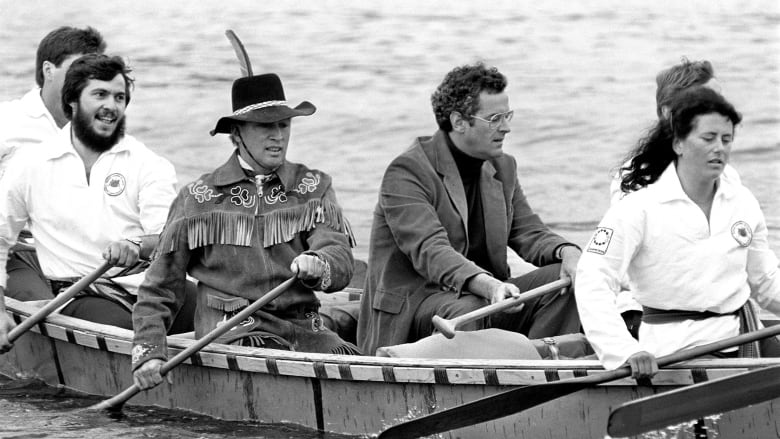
<point x="654" y="152"/>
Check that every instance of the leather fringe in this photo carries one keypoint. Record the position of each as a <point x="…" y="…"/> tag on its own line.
<point x="226" y="304"/>
<point x="207" y="229"/>
<point x="283" y="224"/>
<point x="233" y="228"/>
<point x="346" y="349"/>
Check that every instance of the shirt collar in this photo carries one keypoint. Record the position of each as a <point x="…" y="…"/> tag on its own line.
<point x="33" y="105"/>
<point x="233" y="171"/>
<point x="669" y="188"/>
<point x="62" y="145"/>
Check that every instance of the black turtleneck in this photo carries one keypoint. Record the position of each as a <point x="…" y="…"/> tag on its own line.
<point x="470" y="168"/>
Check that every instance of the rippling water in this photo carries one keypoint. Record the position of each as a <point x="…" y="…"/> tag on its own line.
<point x="581" y="80"/>
<point x="31" y="410"/>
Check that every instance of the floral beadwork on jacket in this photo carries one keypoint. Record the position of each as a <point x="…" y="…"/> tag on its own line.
<point x="140" y="351"/>
<point x="259" y="211"/>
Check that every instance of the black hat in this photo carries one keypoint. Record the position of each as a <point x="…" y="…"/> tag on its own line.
<point x="260" y="99"/>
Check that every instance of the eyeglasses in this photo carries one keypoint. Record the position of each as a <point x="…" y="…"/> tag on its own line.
<point x="496" y="119"/>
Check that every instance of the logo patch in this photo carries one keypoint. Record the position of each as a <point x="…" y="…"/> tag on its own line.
<point x="742" y="233"/>
<point x="114" y="184"/>
<point x="600" y="241"/>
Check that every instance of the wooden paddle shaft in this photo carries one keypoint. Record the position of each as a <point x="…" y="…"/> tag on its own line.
<point x="57" y="302"/>
<point x="448" y="326"/>
<point x="120" y="398"/>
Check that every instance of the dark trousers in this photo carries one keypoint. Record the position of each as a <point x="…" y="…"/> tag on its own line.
<point x="546" y="316"/>
<point x="26" y="283"/>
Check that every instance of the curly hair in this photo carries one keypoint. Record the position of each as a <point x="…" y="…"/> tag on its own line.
<point x="64" y="42"/>
<point x="460" y="89"/>
<point x="673" y="80"/>
<point x="654" y="152"/>
<point x="93" y="66"/>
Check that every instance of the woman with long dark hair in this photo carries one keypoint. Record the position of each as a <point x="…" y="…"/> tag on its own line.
<point x="693" y="244"/>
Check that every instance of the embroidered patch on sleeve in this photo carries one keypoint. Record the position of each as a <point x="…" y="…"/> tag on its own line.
<point x="600" y="241"/>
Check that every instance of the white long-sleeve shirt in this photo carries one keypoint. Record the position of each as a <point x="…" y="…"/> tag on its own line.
<point x="625" y="300"/>
<point x="675" y="259"/>
<point x="24" y="122"/>
<point x="128" y="194"/>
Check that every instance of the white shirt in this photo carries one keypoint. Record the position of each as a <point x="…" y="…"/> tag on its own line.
<point x="675" y="259"/>
<point x="24" y="122"/>
<point x="625" y="301"/>
<point x="128" y="194"/>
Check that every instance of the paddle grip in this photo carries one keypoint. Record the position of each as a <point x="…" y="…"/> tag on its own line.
<point x="448" y="327"/>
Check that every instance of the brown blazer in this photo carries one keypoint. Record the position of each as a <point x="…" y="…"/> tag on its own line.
<point x="419" y="236"/>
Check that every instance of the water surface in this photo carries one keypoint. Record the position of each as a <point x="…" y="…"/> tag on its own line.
<point x="581" y="80"/>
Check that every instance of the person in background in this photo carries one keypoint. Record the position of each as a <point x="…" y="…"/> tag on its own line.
<point x="243" y="229"/>
<point x="38" y="115"/>
<point x="669" y="82"/>
<point x="28" y="121"/>
<point x="448" y="209"/>
<point x="89" y="194"/>
<point x="692" y="243"/>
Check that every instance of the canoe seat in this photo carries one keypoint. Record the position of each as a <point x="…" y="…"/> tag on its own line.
<point x="188" y="335"/>
<point x="38" y="303"/>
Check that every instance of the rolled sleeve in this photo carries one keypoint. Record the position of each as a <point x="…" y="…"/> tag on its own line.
<point x="157" y="192"/>
<point x="14" y="213"/>
<point x="762" y="269"/>
<point x="160" y="297"/>
<point x="601" y="267"/>
<point x="332" y="246"/>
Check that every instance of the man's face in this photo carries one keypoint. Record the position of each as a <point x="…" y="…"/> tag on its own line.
<point x="99" y="116"/>
<point x="266" y="143"/>
<point x="479" y="139"/>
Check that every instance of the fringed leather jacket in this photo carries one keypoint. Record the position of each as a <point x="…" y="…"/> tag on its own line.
<point x="237" y="235"/>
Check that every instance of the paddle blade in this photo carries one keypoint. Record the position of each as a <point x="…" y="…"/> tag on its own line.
<point x="494" y="406"/>
<point x="694" y="402"/>
<point x="243" y="57"/>
<point x="116" y="402"/>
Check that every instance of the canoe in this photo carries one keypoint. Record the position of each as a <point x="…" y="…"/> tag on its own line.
<point x="349" y="394"/>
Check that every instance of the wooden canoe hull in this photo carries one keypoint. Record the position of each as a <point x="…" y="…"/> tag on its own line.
<point x="353" y="395"/>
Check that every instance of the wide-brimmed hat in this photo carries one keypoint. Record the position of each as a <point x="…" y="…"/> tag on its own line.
<point x="260" y="99"/>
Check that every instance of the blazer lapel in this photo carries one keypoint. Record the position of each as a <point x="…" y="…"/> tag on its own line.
<point x="495" y="216"/>
<point x="446" y="167"/>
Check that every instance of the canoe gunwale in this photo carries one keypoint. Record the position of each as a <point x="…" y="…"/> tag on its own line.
<point x="371" y="369"/>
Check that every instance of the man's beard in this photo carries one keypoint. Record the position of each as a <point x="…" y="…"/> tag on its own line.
<point x="82" y="128"/>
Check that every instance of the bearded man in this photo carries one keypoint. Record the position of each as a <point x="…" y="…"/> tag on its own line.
<point x="90" y="194"/>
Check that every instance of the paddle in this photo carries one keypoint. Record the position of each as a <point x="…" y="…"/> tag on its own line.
<point x="115" y="403"/>
<point x="447" y="327"/>
<point x="695" y="401"/>
<point x="523" y="398"/>
<point x="57" y="302"/>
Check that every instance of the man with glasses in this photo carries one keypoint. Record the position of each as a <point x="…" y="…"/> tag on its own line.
<point x="448" y="209"/>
